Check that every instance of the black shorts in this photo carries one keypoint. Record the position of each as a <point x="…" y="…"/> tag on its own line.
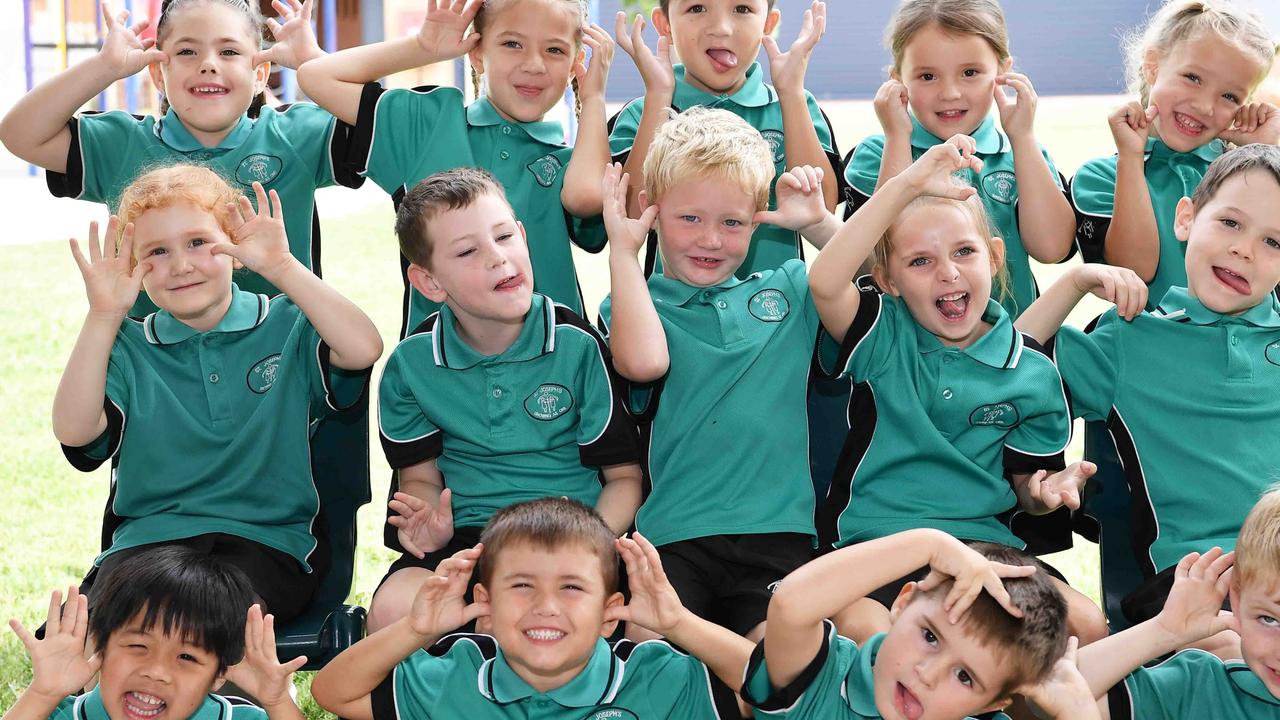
<point x="888" y="593"/>
<point x="463" y="538"/>
<point x="729" y="579"/>
<point x="1147" y="600"/>
<point x="279" y="580"/>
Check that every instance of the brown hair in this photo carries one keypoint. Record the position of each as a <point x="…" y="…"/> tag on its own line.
<point x="489" y="8"/>
<point x="167" y="186"/>
<point x="448" y="190"/>
<point x="1234" y="162"/>
<point x="983" y="18"/>
<point x="1032" y="643"/>
<point x="702" y="142"/>
<point x="550" y="524"/>
<point x="1258" y="546"/>
<point x="249" y="10"/>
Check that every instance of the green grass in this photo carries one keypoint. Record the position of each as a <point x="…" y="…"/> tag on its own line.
<point x="53" y="512"/>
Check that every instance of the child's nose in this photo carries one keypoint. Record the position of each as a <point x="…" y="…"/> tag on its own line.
<point x="928" y="670"/>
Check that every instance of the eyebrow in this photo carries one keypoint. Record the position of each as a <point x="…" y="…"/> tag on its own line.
<point x="219" y="41"/>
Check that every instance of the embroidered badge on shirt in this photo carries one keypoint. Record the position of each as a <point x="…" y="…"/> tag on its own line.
<point x="259" y="167"/>
<point x="263" y="375"/>
<point x="611" y="714"/>
<point x="1002" y="414"/>
<point x="545" y="170"/>
<point x="1000" y="186"/>
<point x="548" y="402"/>
<point x="777" y="144"/>
<point x="769" y="305"/>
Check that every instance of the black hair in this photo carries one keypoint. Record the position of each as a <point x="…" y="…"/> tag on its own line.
<point x="187" y="592"/>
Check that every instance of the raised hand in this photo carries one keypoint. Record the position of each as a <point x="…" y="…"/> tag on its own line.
<point x="295" y="37"/>
<point x="58" y="665"/>
<point x="1131" y="126"/>
<point x="260" y="240"/>
<point x="932" y="173"/>
<point x="787" y="70"/>
<point x="111" y="278"/>
<point x="440" y="605"/>
<point x="1063" y="693"/>
<point x="592" y="77"/>
<point x="1257" y="122"/>
<point x="654" y="603"/>
<point x="1017" y="113"/>
<point x="1192" y="610"/>
<point x="625" y="234"/>
<point x="891" y="109"/>
<point x="800" y="203"/>
<point x="260" y="673"/>
<point x="1114" y="284"/>
<point x="971" y="574"/>
<point x="420" y="527"/>
<point x="123" y="51"/>
<point x="655" y="67"/>
<point x="1060" y="488"/>
<point x="443" y="34"/>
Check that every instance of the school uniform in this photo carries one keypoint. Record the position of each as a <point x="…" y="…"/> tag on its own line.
<point x="293" y="150"/>
<point x="468" y="676"/>
<point x="215" y="707"/>
<point x="758" y="104"/>
<point x="1171" y="176"/>
<point x="731" y="503"/>
<point x="1191" y="398"/>
<point x="404" y="136"/>
<point x="996" y="184"/>
<point x="937" y="429"/>
<point x="1193" y="684"/>
<point x="838" y="683"/>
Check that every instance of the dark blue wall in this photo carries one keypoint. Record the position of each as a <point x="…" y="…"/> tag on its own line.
<point x="1067" y="47"/>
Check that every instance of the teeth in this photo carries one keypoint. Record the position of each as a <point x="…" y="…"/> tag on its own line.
<point x="544" y="634"/>
<point x="143" y="704"/>
<point x="951" y="298"/>
<point x="1188" y="123"/>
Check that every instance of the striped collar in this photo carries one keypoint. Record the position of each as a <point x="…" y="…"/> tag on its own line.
<point x="537" y="337"/>
<point x="173" y="133"/>
<point x="1000" y="347"/>
<point x="1180" y="306"/>
<point x="597" y="684"/>
<point x="247" y="311"/>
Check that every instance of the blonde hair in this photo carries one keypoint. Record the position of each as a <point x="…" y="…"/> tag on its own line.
<point x="492" y="7"/>
<point x="1258" y="546"/>
<point x="703" y="142"/>
<point x="1182" y="20"/>
<point x="176" y="184"/>
<point x="983" y="18"/>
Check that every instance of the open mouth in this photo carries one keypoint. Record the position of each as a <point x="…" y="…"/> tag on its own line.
<point x="1187" y="125"/>
<point x="510" y="283"/>
<point x="954" y="306"/>
<point x="544" y="634"/>
<point x="907" y="704"/>
<point x="1234" y="281"/>
<point x="208" y="90"/>
<point x="706" y="263"/>
<point x="722" y="59"/>
<point x="951" y="115"/>
<point x="142" y="705"/>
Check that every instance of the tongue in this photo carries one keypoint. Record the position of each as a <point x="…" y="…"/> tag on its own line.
<point x="1235" y="282"/>
<point x="724" y="57"/>
<point x="953" y="308"/>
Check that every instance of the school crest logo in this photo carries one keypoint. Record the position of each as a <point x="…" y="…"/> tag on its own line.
<point x="548" y="402"/>
<point x="1087" y="229"/>
<point x="545" y="169"/>
<point x="769" y="305"/>
<point x="1273" y="353"/>
<point x="1000" y="186"/>
<point x="259" y="167"/>
<point x="611" y="713"/>
<point x="777" y="144"/>
<point x="263" y="375"/>
<point x="1001" y="414"/>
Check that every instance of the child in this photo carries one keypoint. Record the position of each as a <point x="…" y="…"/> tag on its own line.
<point x="1194" y="69"/>
<point x="950" y="59"/>
<point x="957" y="420"/>
<point x="208" y="63"/>
<point x="718" y="41"/>
<point x="983" y="625"/>
<point x="722" y="363"/>
<point x="548" y="587"/>
<point x="527" y="51"/>
<point x="207" y="403"/>
<point x="165" y="630"/>
<point x="549" y="421"/>
<point x="1194" y="683"/>
<point x="1188" y="390"/>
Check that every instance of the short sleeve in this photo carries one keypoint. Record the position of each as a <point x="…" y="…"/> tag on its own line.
<point x="66" y="710"/>
<point x="396" y="129"/>
<point x="862" y="172"/>
<point x="640" y="400"/>
<point x="1088" y="361"/>
<point x="408" y="436"/>
<point x="103" y="156"/>
<point x="869" y="342"/>
<point x="411" y="690"/>
<point x="88" y="458"/>
<point x="1157" y="692"/>
<point x="812" y="693"/>
<point x="331" y="388"/>
<point x="320" y="142"/>
<point x="1093" y="198"/>
<point x="679" y="683"/>
<point x="1040" y="439"/>
<point x="622" y="129"/>
<point x="606" y="432"/>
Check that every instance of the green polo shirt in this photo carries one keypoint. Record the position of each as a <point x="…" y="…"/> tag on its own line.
<point x="758" y="104"/>
<point x="215" y="707"/>
<point x="537" y="420"/>
<point x="211" y="429"/>
<point x="729" y="440"/>
<point x="1192" y="399"/>
<point x="997" y="186"/>
<point x="1171" y="176"/>
<point x="838" y="683"/>
<point x="1193" y="684"/>
<point x="293" y="150"/>
<point x="467" y="676"/>
<point x="404" y="136"/>
<point x="936" y="429"/>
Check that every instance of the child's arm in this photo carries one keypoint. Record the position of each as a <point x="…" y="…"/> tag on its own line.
<point x="336" y="82"/>
<point x="581" y="192"/>
<point x="1118" y="285"/>
<point x="35" y="129"/>
<point x="1064" y="694"/>
<point x="832" y="274"/>
<point x="1133" y="238"/>
<point x="620" y="497"/>
<point x="261" y="245"/>
<point x="636" y="338"/>
<point x="823" y="587"/>
<point x="659" y="87"/>
<point x="58" y="665"/>
<point x="787" y="70"/>
<point x="295" y="38"/>
<point x="112" y="286"/>
<point x="891" y="110"/>
<point x="1043" y="492"/>
<point x="801" y="206"/>
<point x="656" y="606"/>
<point x="344" y="685"/>
<point x="424" y="509"/>
<point x="261" y="674"/>
<point x="1047" y="222"/>
<point x="1190" y="613"/>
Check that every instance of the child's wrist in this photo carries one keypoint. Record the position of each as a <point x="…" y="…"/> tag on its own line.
<point x="283" y="271"/>
<point x="659" y="96"/>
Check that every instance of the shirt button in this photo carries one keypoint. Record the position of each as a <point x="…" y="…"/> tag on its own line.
<point x="946" y="394"/>
<point x="722" y="304"/>
<point x="506" y="129"/>
<point x="213" y="377"/>
<point x="497" y="392"/>
<point x="504" y="155"/>
<point x="1235" y="340"/>
<point x="948" y="359"/>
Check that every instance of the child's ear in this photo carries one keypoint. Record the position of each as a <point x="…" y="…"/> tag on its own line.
<point x="997" y="255"/>
<point x="156" y="72"/>
<point x="218" y="681"/>
<point x="524" y="234"/>
<point x="771" y="21"/>
<point x="477" y="59"/>
<point x="1006" y="65"/>
<point x="661" y="22"/>
<point x="615" y="600"/>
<point x="643" y="199"/>
<point x="261" y="75"/>
<point x="904" y="598"/>
<point x="996" y="705"/>
<point x="480" y="593"/>
<point x="1183" y="216"/>
<point x="883" y="282"/>
<point x="424" y="282"/>
<point x="1150" y="65"/>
